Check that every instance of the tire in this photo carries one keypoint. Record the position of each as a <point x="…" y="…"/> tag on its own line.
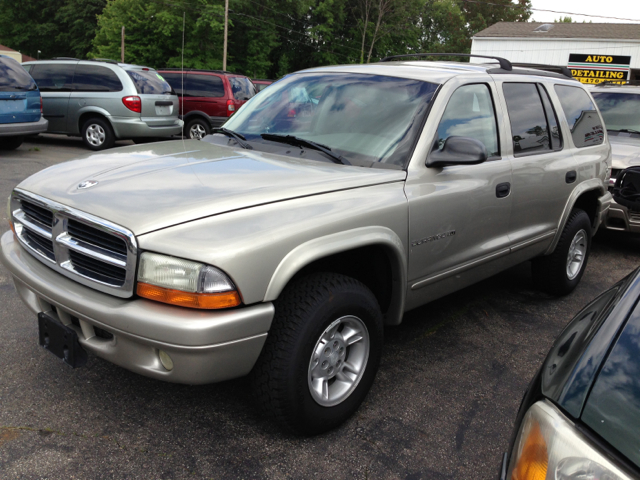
<point x="307" y="314"/>
<point x="11" y="143"/>
<point x="560" y="272"/>
<point x="97" y="134"/>
<point x="197" y="128"/>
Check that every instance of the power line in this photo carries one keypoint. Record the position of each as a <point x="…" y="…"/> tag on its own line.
<point x="551" y="11"/>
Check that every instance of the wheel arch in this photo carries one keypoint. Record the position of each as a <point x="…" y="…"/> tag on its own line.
<point x="373" y="255"/>
<point x="93" y="113"/>
<point x="196" y="114"/>
<point x="586" y="196"/>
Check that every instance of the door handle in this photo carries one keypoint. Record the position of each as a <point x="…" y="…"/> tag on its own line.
<point x="503" y="189"/>
<point x="571" y="176"/>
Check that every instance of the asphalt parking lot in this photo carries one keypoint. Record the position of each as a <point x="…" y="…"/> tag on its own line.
<point x="442" y="406"/>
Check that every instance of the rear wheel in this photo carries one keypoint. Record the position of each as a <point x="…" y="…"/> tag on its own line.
<point x="97" y="134"/>
<point x="322" y="353"/>
<point x="560" y="272"/>
<point x="10" y="143"/>
<point x="197" y="128"/>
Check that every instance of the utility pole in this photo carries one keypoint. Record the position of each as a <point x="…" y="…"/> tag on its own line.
<point x="122" y="46"/>
<point x="226" y="22"/>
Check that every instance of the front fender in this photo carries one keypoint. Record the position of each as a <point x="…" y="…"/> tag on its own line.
<point x="328" y="245"/>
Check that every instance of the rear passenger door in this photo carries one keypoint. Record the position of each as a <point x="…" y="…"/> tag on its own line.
<point x="55" y="83"/>
<point x="544" y="170"/>
<point x="205" y="93"/>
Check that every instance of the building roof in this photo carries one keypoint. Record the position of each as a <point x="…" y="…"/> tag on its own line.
<point x="610" y="31"/>
<point x="6" y="49"/>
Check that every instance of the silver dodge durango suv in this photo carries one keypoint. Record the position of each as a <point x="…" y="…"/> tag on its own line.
<point x="328" y="206"/>
<point x="104" y="101"/>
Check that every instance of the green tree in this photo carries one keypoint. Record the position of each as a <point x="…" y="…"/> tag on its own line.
<point x="563" y="20"/>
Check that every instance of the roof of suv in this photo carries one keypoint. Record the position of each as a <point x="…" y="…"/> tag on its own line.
<point x="438" y="71"/>
<point x="615" y="87"/>
<point x="126" y="66"/>
<point x="196" y="70"/>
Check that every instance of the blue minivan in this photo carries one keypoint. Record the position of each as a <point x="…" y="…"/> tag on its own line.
<point x="20" y="105"/>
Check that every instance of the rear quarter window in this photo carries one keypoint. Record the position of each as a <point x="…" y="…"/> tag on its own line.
<point x="584" y="122"/>
<point x="13" y="77"/>
<point x="242" y="88"/>
<point x="149" y="82"/>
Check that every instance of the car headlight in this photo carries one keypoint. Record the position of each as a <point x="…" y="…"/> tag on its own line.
<point x="184" y="283"/>
<point x="549" y="447"/>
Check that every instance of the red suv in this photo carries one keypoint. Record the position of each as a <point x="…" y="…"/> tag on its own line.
<point x="208" y="98"/>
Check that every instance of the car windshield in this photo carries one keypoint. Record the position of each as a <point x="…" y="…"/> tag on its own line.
<point x="364" y="118"/>
<point x="242" y="88"/>
<point x="619" y="110"/>
<point x="150" y="81"/>
<point x="13" y="77"/>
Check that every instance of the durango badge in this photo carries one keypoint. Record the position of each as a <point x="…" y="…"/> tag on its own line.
<point x="87" y="184"/>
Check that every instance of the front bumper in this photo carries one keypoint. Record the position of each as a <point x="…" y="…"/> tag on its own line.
<point x="135" y="127"/>
<point x="205" y="346"/>
<point x="620" y="218"/>
<point x="25" y="128"/>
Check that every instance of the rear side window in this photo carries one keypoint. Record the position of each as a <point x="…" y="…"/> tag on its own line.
<point x="529" y="128"/>
<point x="94" y="78"/>
<point x="470" y="113"/>
<point x="149" y="82"/>
<point x="242" y="88"/>
<point x="203" y="86"/>
<point x="13" y="77"/>
<point x="583" y="119"/>
<point x="53" y="77"/>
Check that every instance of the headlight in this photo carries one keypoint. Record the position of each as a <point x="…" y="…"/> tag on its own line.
<point x="549" y="447"/>
<point x="184" y="283"/>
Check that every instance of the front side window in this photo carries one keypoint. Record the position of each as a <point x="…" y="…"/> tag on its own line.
<point x="529" y="128"/>
<point x="149" y="82"/>
<point x="95" y="78"/>
<point x="13" y="77"/>
<point x="620" y="111"/>
<point x="368" y="119"/>
<point x="242" y="88"/>
<point x="53" y="77"/>
<point x="585" y="123"/>
<point x="470" y="113"/>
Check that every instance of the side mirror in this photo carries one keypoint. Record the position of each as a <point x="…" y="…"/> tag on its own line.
<point x="458" y="151"/>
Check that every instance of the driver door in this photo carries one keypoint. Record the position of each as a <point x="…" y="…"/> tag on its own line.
<point x="459" y="214"/>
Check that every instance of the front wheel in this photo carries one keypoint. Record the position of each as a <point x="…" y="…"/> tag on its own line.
<point x="560" y="272"/>
<point x="322" y="353"/>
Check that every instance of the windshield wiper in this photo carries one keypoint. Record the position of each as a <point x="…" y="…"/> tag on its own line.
<point x="236" y="136"/>
<point x="301" y="142"/>
<point x="624" y="130"/>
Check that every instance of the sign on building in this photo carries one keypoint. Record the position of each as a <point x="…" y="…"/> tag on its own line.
<point x="599" y="68"/>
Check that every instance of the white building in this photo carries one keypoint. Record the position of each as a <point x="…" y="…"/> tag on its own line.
<point x="551" y="44"/>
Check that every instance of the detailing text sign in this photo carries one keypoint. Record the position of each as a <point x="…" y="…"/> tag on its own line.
<point x="599" y="68"/>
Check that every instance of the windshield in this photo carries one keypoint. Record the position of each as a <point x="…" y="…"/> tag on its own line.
<point x="149" y="81"/>
<point x="364" y="118"/>
<point x="242" y="88"/>
<point x="619" y="110"/>
<point x="13" y="77"/>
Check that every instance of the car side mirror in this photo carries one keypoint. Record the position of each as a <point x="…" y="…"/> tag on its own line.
<point x="458" y="151"/>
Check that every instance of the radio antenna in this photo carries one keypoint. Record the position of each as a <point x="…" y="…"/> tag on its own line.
<point x="181" y="103"/>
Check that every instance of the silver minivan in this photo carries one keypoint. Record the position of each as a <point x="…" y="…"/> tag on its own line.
<point x="104" y="101"/>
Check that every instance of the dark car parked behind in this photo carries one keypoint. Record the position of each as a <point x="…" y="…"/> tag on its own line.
<point x="207" y="97"/>
<point x="20" y="105"/>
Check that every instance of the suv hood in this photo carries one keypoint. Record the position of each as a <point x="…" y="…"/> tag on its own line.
<point x="625" y="152"/>
<point x="150" y="187"/>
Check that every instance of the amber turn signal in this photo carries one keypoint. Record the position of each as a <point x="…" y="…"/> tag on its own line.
<point x="208" y="301"/>
<point x="534" y="459"/>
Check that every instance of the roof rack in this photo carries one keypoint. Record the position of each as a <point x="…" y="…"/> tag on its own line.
<point x="547" y="68"/>
<point x="504" y="63"/>
<point x="195" y="70"/>
<point x="65" y="58"/>
<point x="106" y="60"/>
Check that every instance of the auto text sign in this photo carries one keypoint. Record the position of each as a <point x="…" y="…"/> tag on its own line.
<point x="599" y="68"/>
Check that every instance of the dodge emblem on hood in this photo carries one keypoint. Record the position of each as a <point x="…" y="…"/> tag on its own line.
<point x="87" y="184"/>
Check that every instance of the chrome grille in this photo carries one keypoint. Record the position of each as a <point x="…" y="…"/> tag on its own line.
<point x="88" y="249"/>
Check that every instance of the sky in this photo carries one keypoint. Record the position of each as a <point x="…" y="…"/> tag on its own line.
<point x="624" y="9"/>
